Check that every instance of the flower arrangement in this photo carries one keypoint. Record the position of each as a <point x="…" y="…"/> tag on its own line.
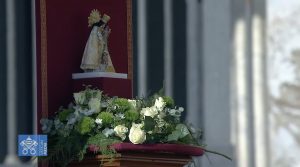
<point x="96" y="119"/>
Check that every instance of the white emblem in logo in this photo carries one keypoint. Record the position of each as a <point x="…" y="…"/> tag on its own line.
<point x="29" y="145"/>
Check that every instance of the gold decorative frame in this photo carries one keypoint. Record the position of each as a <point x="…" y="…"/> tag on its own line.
<point x="44" y="81"/>
<point x="129" y="38"/>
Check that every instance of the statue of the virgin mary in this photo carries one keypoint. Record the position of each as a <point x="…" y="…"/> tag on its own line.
<point x="96" y="56"/>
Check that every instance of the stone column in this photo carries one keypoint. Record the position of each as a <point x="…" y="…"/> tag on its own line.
<point x="12" y="139"/>
<point x="168" y="47"/>
<point x="142" y="47"/>
<point x="216" y="65"/>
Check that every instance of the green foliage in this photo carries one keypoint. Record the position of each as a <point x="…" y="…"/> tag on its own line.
<point x="131" y="115"/>
<point x="60" y="152"/>
<point x="182" y="129"/>
<point x="73" y="130"/>
<point x="85" y="125"/>
<point x="121" y="105"/>
<point x="63" y="114"/>
<point x="174" y="136"/>
<point x="96" y="94"/>
<point x="169" y="101"/>
<point x="153" y="138"/>
<point x="146" y="102"/>
<point x="180" y="132"/>
<point x="103" y="143"/>
<point x="107" y="118"/>
<point x="92" y="93"/>
<point x="149" y="123"/>
<point x="171" y="119"/>
<point x="188" y="139"/>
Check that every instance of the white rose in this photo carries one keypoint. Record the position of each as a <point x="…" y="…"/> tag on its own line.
<point x="132" y="102"/>
<point x="160" y="104"/>
<point x="136" y="134"/>
<point x="94" y="104"/>
<point x="79" y="97"/>
<point x="121" y="131"/>
<point x="149" y="111"/>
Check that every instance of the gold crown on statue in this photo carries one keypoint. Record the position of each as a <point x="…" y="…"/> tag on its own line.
<point x="94" y="17"/>
<point x="105" y="18"/>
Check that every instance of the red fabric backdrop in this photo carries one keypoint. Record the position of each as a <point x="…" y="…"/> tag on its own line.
<point x="67" y="32"/>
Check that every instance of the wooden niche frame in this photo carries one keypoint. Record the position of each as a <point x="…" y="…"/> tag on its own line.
<point x="61" y="34"/>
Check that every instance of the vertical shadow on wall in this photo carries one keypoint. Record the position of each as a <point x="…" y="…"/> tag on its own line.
<point x="24" y="68"/>
<point x="179" y="53"/>
<point x="134" y="45"/>
<point x="155" y="50"/>
<point x="3" y="116"/>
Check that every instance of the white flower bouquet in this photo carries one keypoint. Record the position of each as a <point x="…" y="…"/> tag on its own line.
<point x="98" y="120"/>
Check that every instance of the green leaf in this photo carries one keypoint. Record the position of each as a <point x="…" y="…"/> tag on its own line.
<point x="149" y="123"/>
<point x="174" y="136"/>
<point x="183" y="130"/>
<point x="62" y="115"/>
<point x="169" y="101"/>
<point x="180" y="132"/>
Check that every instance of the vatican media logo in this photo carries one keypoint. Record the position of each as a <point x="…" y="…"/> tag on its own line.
<point x="32" y="145"/>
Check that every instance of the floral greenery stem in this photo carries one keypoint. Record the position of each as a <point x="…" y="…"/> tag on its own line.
<point x="215" y="152"/>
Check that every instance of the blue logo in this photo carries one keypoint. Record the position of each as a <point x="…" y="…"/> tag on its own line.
<point x="32" y="145"/>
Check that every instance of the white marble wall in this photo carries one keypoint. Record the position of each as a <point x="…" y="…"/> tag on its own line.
<point x="283" y="39"/>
